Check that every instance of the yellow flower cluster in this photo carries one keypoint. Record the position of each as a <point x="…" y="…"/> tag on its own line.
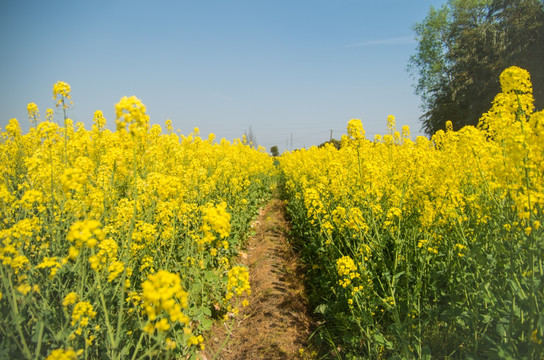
<point x="33" y="113"/>
<point x="215" y="219"/>
<point x="81" y="314"/>
<point x="196" y="340"/>
<point x="73" y="179"/>
<point x="84" y="233"/>
<point x="52" y="263"/>
<point x="127" y="208"/>
<point x="355" y="130"/>
<point x="61" y="88"/>
<point x="61" y="91"/>
<point x="13" y="129"/>
<point x="61" y="354"/>
<point x="400" y="215"/>
<point x="33" y="199"/>
<point x="147" y="265"/>
<point x="70" y="299"/>
<point x="163" y="292"/>
<point x="99" y="121"/>
<point x="15" y="241"/>
<point x="517" y="80"/>
<point x="130" y="111"/>
<point x="107" y="252"/>
<point x="238" y="282"/>
<point x="347" y="270"/>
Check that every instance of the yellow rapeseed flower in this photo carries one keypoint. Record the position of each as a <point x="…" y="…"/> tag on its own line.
<point x="52" y="263"/>
<point x="162" y="292"/>
<point x="61" y="354"/>
<point x="61" y="90"/>
<point x="70" y="299"/>
<point x="81" y="315"/>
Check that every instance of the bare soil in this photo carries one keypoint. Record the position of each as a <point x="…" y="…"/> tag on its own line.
<point x="277" y="323"/>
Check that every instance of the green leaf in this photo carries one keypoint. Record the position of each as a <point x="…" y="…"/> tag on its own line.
<point x="192" y="311"/>
<point x="211" y="276"/>
<point x="381" y="340"/>
<point x="206" y="311"/>
<point x="206" y="324"/>
<point x="500" y="330"/>
<point x="197" y="286"/>
<point x="397" y="276"/>
<point x="426" y="353"/>
<point x="486" y="319"/>
<point x="321" y="309"/>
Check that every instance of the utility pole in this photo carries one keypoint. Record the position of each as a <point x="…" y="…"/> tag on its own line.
<point x="330" y="139"/>
<point x="291" y="141"/>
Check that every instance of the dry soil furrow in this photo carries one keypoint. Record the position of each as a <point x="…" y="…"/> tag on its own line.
<point x="276" y="324"/>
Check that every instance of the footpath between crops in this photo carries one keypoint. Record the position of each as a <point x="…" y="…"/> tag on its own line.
<point x="277" y="322"/>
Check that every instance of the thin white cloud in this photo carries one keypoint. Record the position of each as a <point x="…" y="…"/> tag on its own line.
<point x="390" y="41"/>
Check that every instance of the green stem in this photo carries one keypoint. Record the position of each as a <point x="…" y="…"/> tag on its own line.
<point x="40" y="338"/>
<point x="227" y="338"/>
<point x="113" y="348"/>
<point x="15" y="317"/>
<point x="138" y="345"/>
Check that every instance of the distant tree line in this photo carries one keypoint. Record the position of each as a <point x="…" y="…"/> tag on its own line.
<point x="336" y="143"/>
<point x="462" y="49"/>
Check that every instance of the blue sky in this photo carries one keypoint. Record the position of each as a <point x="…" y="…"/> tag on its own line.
<point x="291" y="70"/>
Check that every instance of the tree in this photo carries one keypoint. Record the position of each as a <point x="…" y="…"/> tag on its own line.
<point x="250" y="138"/>
<point x="462" y="49"/>
<point x="274" y="151"/>
<point x="336" y="143"/>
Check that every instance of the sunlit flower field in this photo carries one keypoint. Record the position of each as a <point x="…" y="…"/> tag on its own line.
<point x="119" y="245"/>
<point x="123" y="244"/>
<point x="420" y="248"/>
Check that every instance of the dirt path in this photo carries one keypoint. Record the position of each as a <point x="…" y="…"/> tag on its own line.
<point x="277" y="323"/>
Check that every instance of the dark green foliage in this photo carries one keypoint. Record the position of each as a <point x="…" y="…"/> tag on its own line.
<point x="274" y="151"/>
<point x="464" y="46"/>
<point x="336" y="143"/>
